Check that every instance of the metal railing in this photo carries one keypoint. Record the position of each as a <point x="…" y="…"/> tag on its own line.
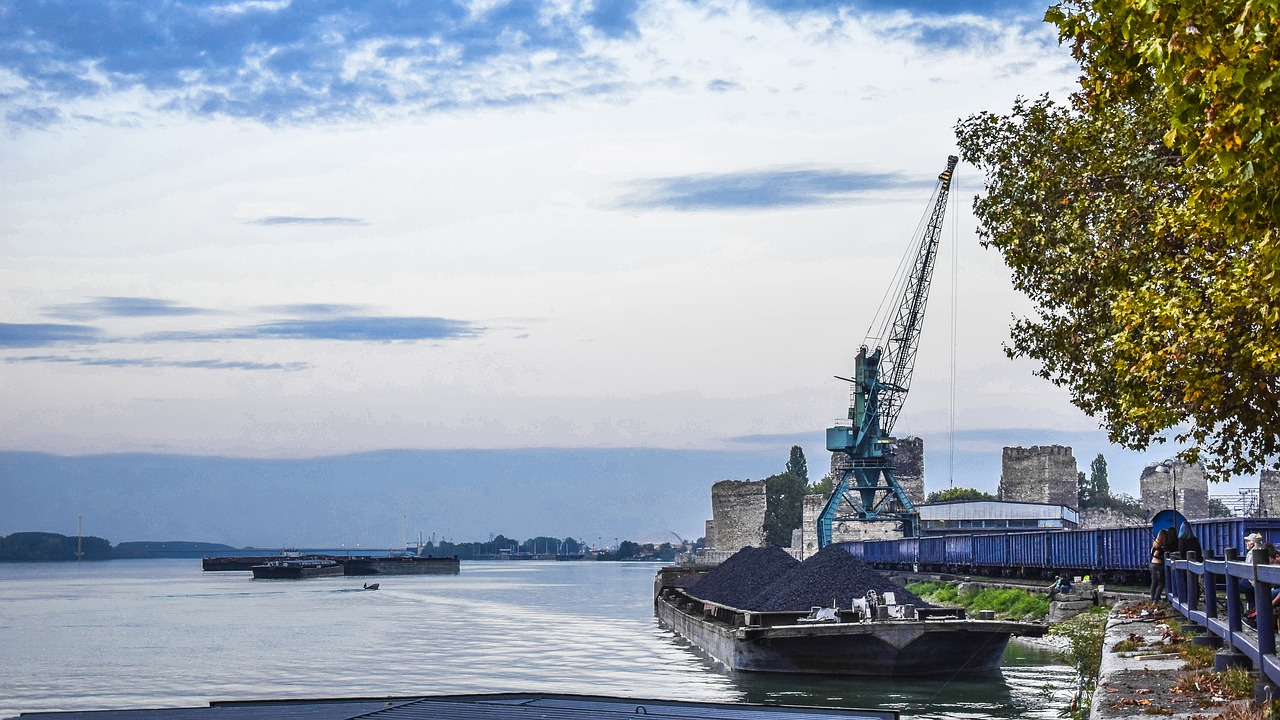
<point x="1217" y="594"/>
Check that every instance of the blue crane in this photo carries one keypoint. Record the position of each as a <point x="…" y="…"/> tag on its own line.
<point x="868" y="489"/>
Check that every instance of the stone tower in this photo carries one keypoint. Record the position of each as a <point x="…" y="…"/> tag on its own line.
<point x="1040" y="474"/>
<point x="1269" y="493"/>
<point x="907" y="463"/>
<point x="1189" y="496"/>
<point x="737" y="514"/>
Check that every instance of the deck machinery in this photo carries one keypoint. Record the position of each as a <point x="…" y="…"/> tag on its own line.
<point x="868" y="490"/>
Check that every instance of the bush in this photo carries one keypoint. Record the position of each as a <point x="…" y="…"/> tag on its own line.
<point x="1008" y="603"/>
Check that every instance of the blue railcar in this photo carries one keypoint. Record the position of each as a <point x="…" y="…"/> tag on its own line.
<point x="1125" y="549"/>
<point x="1029" y="551"/>
<point x="933" y="552"/>
<point x="959" y="551"/>
<point x="1218" y="534"/>
<point x="908" y="552"/>
<point x="882" y="553"/>
<point x="992" y="552"/>
<point x="1076" y="550"/>
<point x="856" y="548"/>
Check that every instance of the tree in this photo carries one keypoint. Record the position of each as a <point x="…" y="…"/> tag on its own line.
<point x="956" y="493"/>
<point x="821" y="487"/>
<point x="1142" y="222"/>
<point x="796" y="464"/>
<point x="784" y="508"/>
<point x="1084" y="490"/>
<point x="1098" y="477"/>
<point x="1218" y="509"/>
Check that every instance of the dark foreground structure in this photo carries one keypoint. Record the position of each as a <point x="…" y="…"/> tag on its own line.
<point x="515" y="706"/>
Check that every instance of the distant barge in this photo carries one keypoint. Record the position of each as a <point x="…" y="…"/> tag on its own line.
<point x="935" y="642"/>
<point x="296" y="569"/>
<point x="303" y="565"/>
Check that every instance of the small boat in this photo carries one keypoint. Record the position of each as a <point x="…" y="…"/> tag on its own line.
<point x="371" y="586"/>
<point x="296" y="569"/>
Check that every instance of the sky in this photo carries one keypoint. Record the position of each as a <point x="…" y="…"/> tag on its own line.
<point x="286" y="230"/>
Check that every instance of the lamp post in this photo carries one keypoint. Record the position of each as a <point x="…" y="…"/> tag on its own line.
<point x="1167" y="467"/>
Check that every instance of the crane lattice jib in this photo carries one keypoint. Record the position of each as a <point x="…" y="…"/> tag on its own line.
<point x="904" y="334"/>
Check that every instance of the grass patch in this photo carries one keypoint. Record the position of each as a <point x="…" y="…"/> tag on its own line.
<point x="1214" y="688"/>
<point x="1196" y="656"/>
<point x="1007" y="603"/>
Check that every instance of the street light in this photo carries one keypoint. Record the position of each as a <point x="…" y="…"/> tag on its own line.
<point x="1167" y="467"/>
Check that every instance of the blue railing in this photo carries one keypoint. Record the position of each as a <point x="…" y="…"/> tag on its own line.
<point x="1213" y="594"/>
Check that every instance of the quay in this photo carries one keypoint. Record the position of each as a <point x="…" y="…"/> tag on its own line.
<point x="1207" y="602"/>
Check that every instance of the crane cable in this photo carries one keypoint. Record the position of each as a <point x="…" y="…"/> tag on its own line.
<point x="955" y="299"/>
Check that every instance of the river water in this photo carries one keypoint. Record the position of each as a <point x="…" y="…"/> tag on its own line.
<point x="162" y="633"/>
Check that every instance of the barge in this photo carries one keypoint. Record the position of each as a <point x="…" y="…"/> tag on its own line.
<point x="886" y="641"/>
<point x="402" y="565"/>
<point x="296" y="569"/>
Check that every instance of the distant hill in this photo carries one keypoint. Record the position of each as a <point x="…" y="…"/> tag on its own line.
<point x="590" y="494"/>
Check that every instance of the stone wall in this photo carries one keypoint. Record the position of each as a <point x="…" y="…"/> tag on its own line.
<point x="709" y="537"/>
<point x="843" y="531"/>
<point x="1092" y="518"/>
<point x="1190" y="496"/>
<point x="737" y="511"/>
<point x="907" y="463"/>
<point x="1269" y="493"/>
<point x="908" y="467"/>
<point x="1040" y="474"/>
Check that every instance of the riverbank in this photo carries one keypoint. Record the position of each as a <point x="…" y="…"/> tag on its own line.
<point x="1150" y="668"/>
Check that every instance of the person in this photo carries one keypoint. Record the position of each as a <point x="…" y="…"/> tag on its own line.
<point x="1252" y="546"/>
<point x="1159" y="546"/>
<point x="1060" y="585"/>
<point x="1189" y="548"/>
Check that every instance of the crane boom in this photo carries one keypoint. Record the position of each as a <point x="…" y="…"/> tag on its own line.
<point x="868" y="489"/>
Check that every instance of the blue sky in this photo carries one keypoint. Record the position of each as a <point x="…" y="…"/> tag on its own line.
<point x="274" y="229"/>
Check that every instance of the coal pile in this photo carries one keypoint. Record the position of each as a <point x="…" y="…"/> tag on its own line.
<point x="832" y="574"/>
<point x="737" y="580"/>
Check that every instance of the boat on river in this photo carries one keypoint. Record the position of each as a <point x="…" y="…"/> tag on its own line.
<point x="878" y="640"/>
<point x="296" y="569"/>
<point x="402" y="565"/>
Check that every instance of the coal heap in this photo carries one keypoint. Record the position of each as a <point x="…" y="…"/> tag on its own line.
<point x="832" y="574"/>
<point x="737" y="580"/>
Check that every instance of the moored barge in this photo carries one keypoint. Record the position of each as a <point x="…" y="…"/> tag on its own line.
<point x="931" y="643"/>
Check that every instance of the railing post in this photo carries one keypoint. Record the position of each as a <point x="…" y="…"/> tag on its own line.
<point x="1234" y="616"/>
<point x="1210" y="593"/>
<point x="1173" y="578"/>
<point x="1262" y="605"/>
<point x="1193" y="597"/>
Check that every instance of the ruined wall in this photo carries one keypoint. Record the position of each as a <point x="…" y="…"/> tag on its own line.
<point x="1040" y="474"/>
<point x="709" y="535"/>
<point x="737" y="511"/>
<point x="908" y="467"/>
<point x="1190" y="495"/>
<point x="1269" y="493"/>
<point x="1092" y="518"/>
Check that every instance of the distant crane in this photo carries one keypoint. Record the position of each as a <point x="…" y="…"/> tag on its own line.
<point x="868" y="490"/>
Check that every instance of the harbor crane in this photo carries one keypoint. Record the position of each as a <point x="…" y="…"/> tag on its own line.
<point x="868" y="490"/>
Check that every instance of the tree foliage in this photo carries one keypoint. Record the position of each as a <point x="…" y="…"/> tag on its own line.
<point x="958" y="493"/>
<point x="821" y="487"/>
<point x="784" y="508"/>
<point x="796" y="464"/>
<point x="1095" y="490"/>
<point x="1141" y="220"/>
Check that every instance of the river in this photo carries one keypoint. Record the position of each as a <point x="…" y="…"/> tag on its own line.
<point x="162" y="633"/>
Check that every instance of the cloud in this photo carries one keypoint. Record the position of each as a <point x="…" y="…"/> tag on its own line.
<point x="296" y="220"/>
<point x="354" y="328"/>
<point x="44" y="334"/>
<point x="296" y="62"/>
<point x="159" y="363"/>
<point x="122" y="307"/>
<point x="313" y="309"/>
<point x="761" y="189"/>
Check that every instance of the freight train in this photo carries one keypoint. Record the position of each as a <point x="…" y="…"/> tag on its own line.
<point x="1118" y="555"/>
